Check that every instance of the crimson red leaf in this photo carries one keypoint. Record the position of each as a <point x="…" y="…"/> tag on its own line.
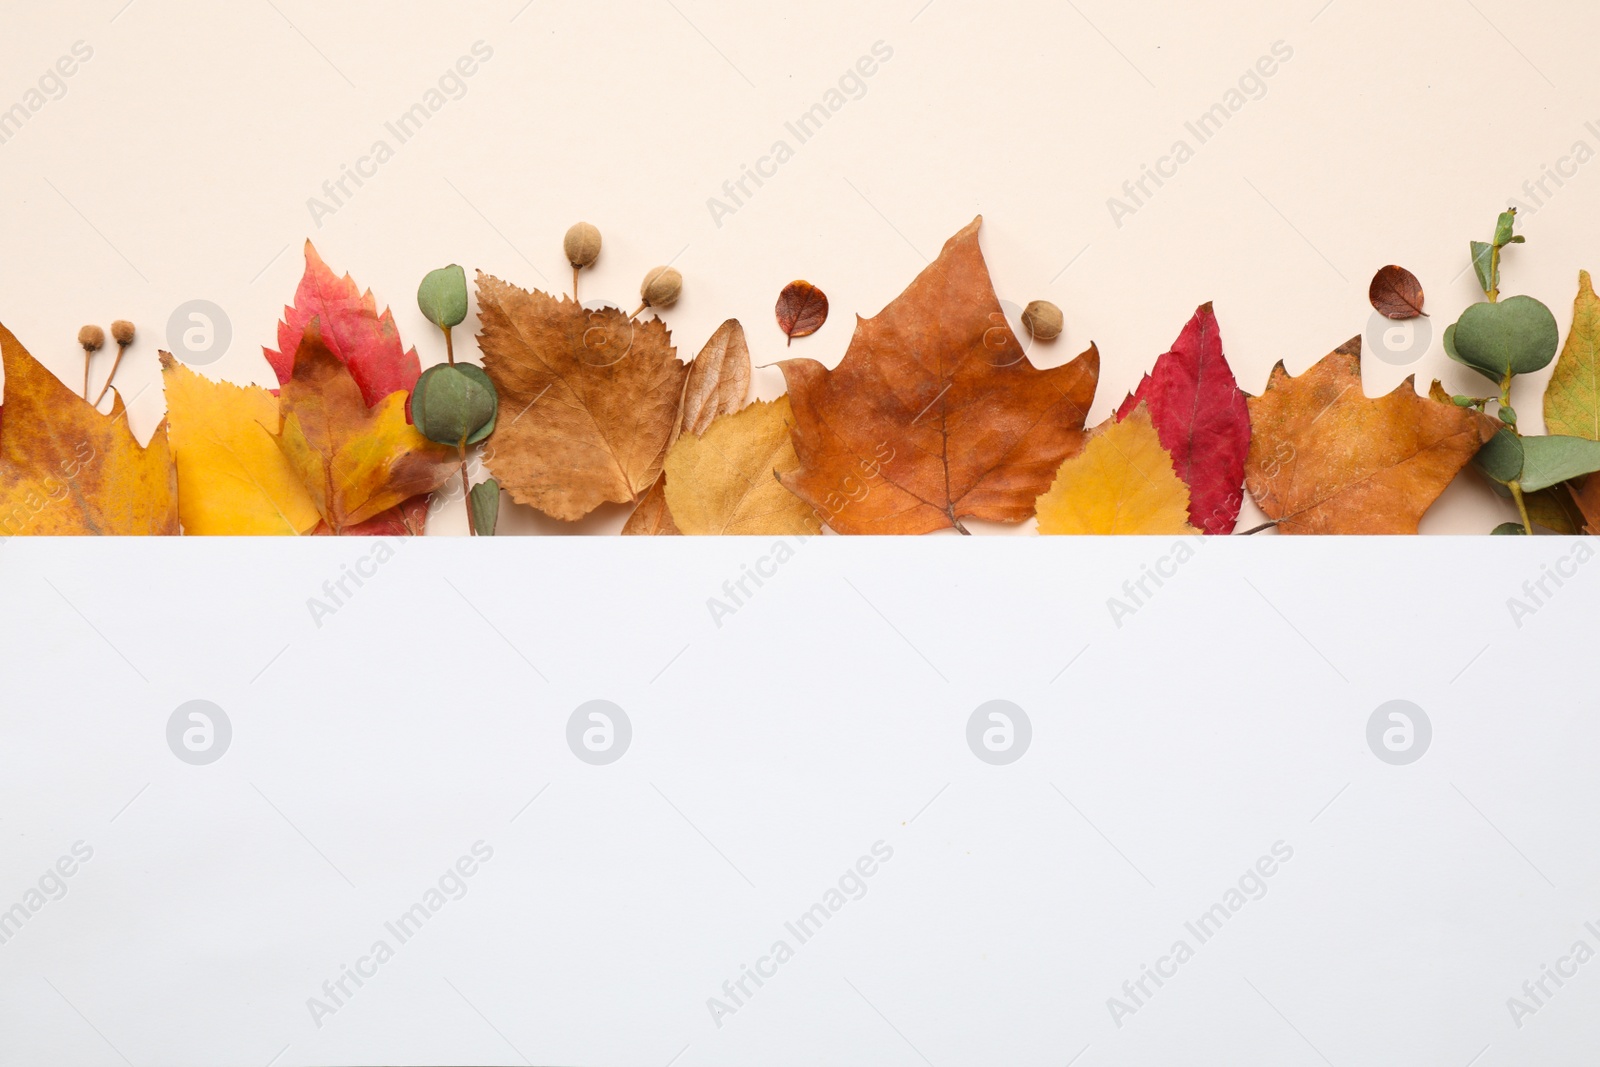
<point x="366" y="342"/>
<point x="1396" y="293"/>
<point x="1201" y="418"/>
<point x="802" y="309"/>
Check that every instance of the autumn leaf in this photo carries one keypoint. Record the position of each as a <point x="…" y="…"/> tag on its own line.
<point x="1325" y="458"/>
<point x="935" y="413"/>
<point x="356" y="462"/>
<point x="1200" y="413"/>
<point x="802" y="310"/>
<point x="1395" y="293"/>
<point x="353" y="331"/>
<point x="717" y="383"/>
<point x="1572" y="399"/>
<point x="66" y="469"/>
<point x="1121" y="483"/>
<point x="590" y="399"/>
<point x="724" y="480"/>
<point x="232" y="477"/>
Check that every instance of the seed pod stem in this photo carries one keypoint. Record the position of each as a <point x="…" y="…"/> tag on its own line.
<point x="122" y="330"/>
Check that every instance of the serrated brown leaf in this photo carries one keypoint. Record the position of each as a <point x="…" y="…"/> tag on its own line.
<point x="1395" y="293"/>
<point x="1324" y="458"/>
<point x="802" y="310"/>
<point x="589" y="400"/>
<point x="935" y="413"/>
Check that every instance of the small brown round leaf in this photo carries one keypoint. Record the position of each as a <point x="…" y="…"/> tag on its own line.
<point x="802" y="309"/>
<point x="1396" y="293"/>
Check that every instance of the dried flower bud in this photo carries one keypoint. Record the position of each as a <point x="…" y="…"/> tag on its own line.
<point x="661" y="287"/>
<point x="122" y="332"/>
<point x="1043" y="320"/>
<point x="582" y="245"/>
<point x="92" y="338"/>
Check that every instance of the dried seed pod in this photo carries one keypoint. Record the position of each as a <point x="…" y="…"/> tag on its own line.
<point x="122" y="332"/>
<point x="582" y="245"/>
<point x="1043" y="320"/>
<point x="92" y="338"/>
<point x="661" y="287"/>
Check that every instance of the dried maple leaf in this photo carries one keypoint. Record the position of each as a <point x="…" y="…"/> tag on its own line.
<point x="724" y="480"/>
<point x="233" y="479"/>
<point x="355" y="461"/>
<point x="1395" y="293"/>
<point x="935" y="413"/>
<point x="1325" y="458"/>
<point x="589" y="400"/>
<point x="652" y="517"/>
<point x="66" y="469"/>
<point x="1122" y="482"/>
<point x="1200" y="413"/>
<point x="802" y="310"/>
<point x="365" y="341"/>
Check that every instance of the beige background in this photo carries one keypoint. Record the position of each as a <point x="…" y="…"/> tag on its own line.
<point x="179" y="163"/>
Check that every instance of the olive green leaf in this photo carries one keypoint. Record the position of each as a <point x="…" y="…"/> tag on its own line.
<point x="1514" y="336"/>
<point x="454" y="403"/>
<point x="443" y="296"/>
<point x="1509" y="528"/>
<point x="1483" y="262"/>
<point x="1572" y="399"/>
<point x="1502" y="458"/>
<point x="1547" y="461"/>
<point x="484" y="500"/>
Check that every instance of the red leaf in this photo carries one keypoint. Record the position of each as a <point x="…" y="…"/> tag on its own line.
<point x="802" y="309"/>
<point x="409" y="519"/>
<point x="366" y="342"/>
<point x="1395" y="293"/>
<point x="1200" y="415"/>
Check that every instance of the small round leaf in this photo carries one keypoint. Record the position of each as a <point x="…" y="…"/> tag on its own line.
<point x="454" y="403"/>
<point x="1516" y="336"/>
<point x="443" y="296"/>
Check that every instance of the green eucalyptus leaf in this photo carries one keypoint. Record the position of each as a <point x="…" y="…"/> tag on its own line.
<point x="443" y="296"/>
<point x="1503" y="227"/>
<point x="1502" y="458"/>
<point x="1450" y="343"/>
<point x="1514" y="528"/>
<point x="453" y="402"/>
<point x="1550" y="460"/>
<point x="484" y="500"/>
<point x="1507" y="414"/>
<point x="1483" y="264"/>
<point x="1517" y="336"/>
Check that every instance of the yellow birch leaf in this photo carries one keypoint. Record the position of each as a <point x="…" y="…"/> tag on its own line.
<point x="725" y="480"/>
<point x="232" y="477"/>
<point x="1121" y="483"/>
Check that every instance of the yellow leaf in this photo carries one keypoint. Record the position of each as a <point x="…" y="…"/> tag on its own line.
<point x="1121" y="483"/>
<point x="232" y="478"/>
<point x="725" y="480"/>
<point x="67" y="469"/>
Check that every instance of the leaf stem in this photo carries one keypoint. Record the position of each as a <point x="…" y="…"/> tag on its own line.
<point x="87" y="355"/>
<point x="1522" y="507"/>
<point x="575" y="271"/>
<point x="449" y="346"/>
<point x="466" y="490"/>
<point x="1258" y="529"/>
<point x="110" y="377"/>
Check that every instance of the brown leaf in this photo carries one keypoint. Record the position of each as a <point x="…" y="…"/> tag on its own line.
<point x="1396" y="293"/>
<point x="719" y="379"/>
<point x="1325" y="458"/>
<point x="802" y="309"/>
<point x="589" y="400"/>
<point x="1587" y="497"/>
<point x="935" y="413"/>
<point x="652" y="518"/>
